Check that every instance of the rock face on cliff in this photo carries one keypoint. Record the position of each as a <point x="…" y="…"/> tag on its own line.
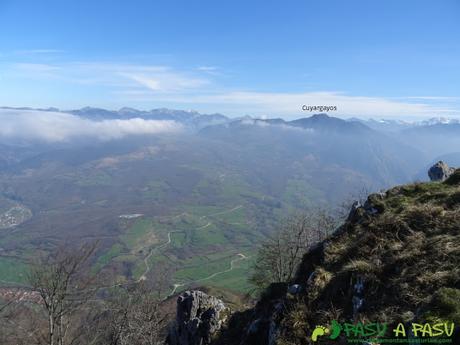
<point x="440" y="171"/>
<point x="198" y="318"/>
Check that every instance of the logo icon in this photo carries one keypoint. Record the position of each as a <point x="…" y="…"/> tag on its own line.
<point x="319" y="331"/>
<point x="334" y="331"/>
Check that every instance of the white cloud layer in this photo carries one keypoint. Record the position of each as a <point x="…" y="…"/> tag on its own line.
<point x="51" y="127"/>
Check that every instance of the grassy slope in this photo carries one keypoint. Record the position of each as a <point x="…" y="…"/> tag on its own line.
<point x="13" y="270"/>
<point x="404" y="245"/>
<point x="408" y="255"/>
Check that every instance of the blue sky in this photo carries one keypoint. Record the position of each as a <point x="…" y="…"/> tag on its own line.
<point x="375" y="58"/>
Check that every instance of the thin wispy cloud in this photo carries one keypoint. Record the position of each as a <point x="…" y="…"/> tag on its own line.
<point x="432" y="98"/>
<point x="38" y="51"/>
<point x="166" y="81"/>
<point x="154" y="78"/>
<point x="211" y="70"/>
<point x="150" y="83"/>
<point x="34" y="69"/>
<point x="207" y="68"/>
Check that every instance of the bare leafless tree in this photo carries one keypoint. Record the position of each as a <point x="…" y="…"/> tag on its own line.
<point x="132" y="316"/>
<point x="64" y="288"/>
<point x="19" y="324"/>
<point x="279" y="256"/>
<point x="73" y="310"/>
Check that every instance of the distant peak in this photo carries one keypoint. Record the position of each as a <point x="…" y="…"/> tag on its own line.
<point x="320" y="116"/>
<point x="128" y="110"/>
<point x="325" y="122"/>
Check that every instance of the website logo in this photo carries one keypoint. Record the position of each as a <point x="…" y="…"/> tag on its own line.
<point x="436" y="333"/>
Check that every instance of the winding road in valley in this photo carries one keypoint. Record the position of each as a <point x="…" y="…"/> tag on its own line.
<point x="146" y="259"/>
<point x="149" y="255"/>
<point x="232" y="263"/>
<point x="168" y="242"/>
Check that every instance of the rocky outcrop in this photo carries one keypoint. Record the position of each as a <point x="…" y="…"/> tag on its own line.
<point x="198" y="317"/>
<point x="371" y="206"/>
<point x="440" y="171"/>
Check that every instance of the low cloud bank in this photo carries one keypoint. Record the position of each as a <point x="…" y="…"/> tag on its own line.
<point x="31" y="125"/>
<point x="285" y="126"/>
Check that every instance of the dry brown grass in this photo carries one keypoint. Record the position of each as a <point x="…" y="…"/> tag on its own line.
<point x="408" y="256"/>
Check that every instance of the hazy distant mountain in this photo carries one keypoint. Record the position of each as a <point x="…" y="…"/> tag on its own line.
<point x="390" y="125"/>
<point x="438" y="121"/>
<point x="436" y="129"/>
<point x="434" y="140"/>
<point x="318" y="122"/>
<point x="325" y="123"/>
<point x="188" y="118"/>
<point x="329" y="142"/>
<point x="385" y="125"/>
<point x="191" y="119"/>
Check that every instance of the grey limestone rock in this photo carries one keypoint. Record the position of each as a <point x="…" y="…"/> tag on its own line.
<point x="440" y="171"/>
<point x="198" y="317"/>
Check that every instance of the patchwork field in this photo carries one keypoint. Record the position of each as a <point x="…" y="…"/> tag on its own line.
<point x="198" y="249"/>
<point x="196" y="243"/>
<point x="186" y="210"/>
